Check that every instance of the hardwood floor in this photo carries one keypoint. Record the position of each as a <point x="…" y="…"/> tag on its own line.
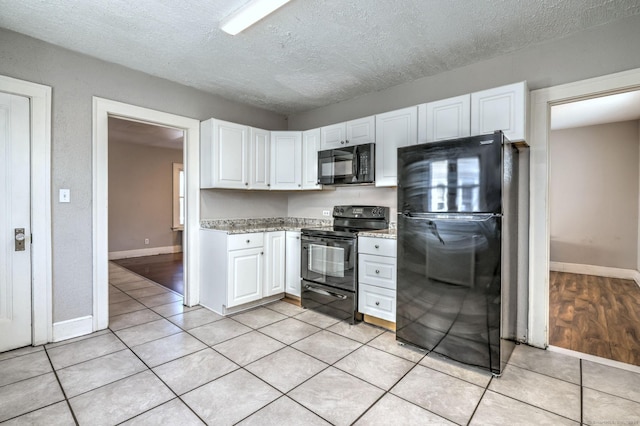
<point x="165" y="269"/>
<point x="595" y="315"/>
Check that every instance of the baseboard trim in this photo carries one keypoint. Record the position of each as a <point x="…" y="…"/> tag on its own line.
<point x="600" y="271"/>
<point x="68" y="329"/>
<point x="597" y="359"/>
<point x="115" y="255"/>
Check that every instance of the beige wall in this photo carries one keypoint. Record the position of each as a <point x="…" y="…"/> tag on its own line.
<point x="141" y="196"/>
<point x="75" y="79"/>
<point x="593" y="195"/>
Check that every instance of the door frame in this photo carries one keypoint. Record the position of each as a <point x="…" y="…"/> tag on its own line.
<point x="539" y="231"/>
<point x="41" y="271"/>
<point x="102" y="110"/>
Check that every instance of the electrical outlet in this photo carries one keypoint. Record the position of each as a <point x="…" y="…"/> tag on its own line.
<point x="146" y="241"/>
<point x="326" y="212"/>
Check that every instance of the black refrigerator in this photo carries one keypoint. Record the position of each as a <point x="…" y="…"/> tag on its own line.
<point x="457" y="249"/>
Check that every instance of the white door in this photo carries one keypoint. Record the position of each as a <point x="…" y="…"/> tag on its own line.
<point x="15" y="223"/>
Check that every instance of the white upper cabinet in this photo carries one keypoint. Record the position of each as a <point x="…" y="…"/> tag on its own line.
<point x="362" y="130"/>
<point x="501" y="108"/>
<point x="259" y="158"/>
<point x="394" y="129"/>
<point x="223" y="155"/>
<point x="310" y="148"/>
<point x="286" y="160"/>
<point x="354" y="132"/>
<point x="445" y="119"/>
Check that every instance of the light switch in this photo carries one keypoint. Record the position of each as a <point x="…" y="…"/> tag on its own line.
<point x="65" y="195"/>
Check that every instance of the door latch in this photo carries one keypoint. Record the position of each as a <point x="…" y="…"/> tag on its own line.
<point x="19" y="239"/>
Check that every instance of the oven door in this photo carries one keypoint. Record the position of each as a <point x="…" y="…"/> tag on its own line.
<point x="329" y="260"/>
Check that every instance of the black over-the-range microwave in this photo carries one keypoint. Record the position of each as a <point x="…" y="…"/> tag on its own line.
<point x="348" y="165"/>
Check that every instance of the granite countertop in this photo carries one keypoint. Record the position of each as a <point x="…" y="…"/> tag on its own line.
<point x="271" y="224"/>
<point x="390" y="234"/>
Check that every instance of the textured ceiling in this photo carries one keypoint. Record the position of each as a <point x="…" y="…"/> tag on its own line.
<point x="309" y="53"/>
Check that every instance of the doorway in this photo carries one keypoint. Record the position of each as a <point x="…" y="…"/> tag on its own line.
<point x="102" y="110"/>
<point x="539" y="260"/>
<point x="594" y="173"/>
<point x="146" y="200"/>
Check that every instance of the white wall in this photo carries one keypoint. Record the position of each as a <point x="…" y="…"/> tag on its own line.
<point x="593" y="195"/>
<point x="239" y="204"/>
<point x="141" y="196"/>
<point x="312" y="203"/>
<point x="75" y="79"/>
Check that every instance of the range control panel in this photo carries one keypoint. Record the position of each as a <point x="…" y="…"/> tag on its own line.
<point x="365" y="212"/>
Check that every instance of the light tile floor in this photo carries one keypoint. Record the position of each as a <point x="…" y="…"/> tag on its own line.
<point x="163" y="363"/>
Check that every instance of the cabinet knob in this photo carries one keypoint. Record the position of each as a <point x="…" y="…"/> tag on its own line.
<point x="346" y="141"/>
<point x="342" y="142"/>
<point x="299" y="185"/>
<point x="377" y="246"/>
<point x="268" y="184"/>
<point x="246" y="184"/>
<point x="297" y="238"/>
<point x="261" y="253"/>
<point x="248" y="241"/>
<point x="377" y="271"/>
<point x="377" y="303"/>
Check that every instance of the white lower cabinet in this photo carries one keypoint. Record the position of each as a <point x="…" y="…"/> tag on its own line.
<point x="244" y="268"/>
<point x="292" y="261"/>
<point x="274" y="250"/>
<point x="377" y="277"/>
<point x="244" y="276"/>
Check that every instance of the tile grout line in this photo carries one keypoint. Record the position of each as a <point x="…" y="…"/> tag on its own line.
<point x="64" y="394"/>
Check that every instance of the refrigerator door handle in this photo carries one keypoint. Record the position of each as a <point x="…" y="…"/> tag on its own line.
<point x="476" y="217"/>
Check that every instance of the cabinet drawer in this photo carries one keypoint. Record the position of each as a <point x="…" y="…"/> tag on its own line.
<point x="377" y="270"/>
<point x="243" y="241"/>
<point x="377" y="302"/>
<point x="378" y="246"/>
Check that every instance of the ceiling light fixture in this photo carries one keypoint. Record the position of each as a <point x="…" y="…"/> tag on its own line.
<point x="249" y="14"/>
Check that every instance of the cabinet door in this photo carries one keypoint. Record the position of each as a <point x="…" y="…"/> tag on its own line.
<point x="245" y="276"/>
<point x="361" y="131"/>
<point x="310" y="147"/>
<point x="225" y="149"/>
<point x="393" y="130"/>
<point x="293" y="263"/>
<point x="259" y="158"/>
<point x="274" y="258"/>
<point x="502" y="108"/>
<point x="448" y="118"/>
<point x="286" y="160"/>
<point x="333" y="136"/>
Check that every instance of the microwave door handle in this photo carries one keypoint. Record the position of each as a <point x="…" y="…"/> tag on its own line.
<point x="356" y="163"/>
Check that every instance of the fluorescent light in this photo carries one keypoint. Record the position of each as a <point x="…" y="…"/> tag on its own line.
<point x="249" y="14"/>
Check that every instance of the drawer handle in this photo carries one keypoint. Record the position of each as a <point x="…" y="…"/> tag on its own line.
<point x="377" y="271"/>
<point x="377" y="246"/>
<point x="377" y="303"/>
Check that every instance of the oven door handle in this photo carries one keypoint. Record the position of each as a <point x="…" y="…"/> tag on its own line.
<point x="324" y="292"/>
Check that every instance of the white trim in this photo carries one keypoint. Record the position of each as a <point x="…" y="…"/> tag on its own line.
<point x="69" y="329"/>
<point x="41" y="278"/>
<point x="600" y="271"/>
<point x="597" y="359"/>
<point x="541" y="101"/>
<point x="102" y="109"/>
<point x="126" y="254"/>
